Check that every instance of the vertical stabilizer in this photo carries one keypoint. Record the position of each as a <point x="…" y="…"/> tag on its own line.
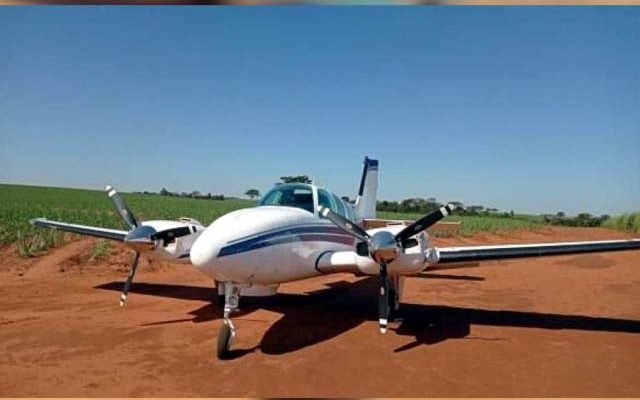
<point x="368" y="191"/>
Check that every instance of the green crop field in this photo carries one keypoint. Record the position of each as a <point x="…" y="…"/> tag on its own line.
<point x="625" y="222"/>
<point x="471" y="224"/>
<point x="19" y="204"/>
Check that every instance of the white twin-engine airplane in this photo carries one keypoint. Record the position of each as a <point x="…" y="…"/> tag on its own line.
<point x="299" y="231"/>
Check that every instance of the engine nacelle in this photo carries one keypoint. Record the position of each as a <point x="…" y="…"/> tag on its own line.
<point x="408" y="261"/>
<point x="176" y="250"/>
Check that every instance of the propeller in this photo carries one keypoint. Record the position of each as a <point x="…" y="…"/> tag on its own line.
<point x="140" y="237"/>
<point x="127" y="283"/>
<point x="345" y="224"/>
<point x="383" y="299"/>
<point x="121" y="207"/>
<point x="424" y="222"/>
<point x="383" y="247"/>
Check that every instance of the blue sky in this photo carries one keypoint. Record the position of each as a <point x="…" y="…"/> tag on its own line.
<point x="524" y="108"/>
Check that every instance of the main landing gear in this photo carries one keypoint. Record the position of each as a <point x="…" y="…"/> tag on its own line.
<point x="227" y="330"/>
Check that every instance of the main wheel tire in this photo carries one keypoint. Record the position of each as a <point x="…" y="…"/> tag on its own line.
<point x="224" y="338"/>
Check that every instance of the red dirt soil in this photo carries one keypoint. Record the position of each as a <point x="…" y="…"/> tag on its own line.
<point x="555" y="326"/>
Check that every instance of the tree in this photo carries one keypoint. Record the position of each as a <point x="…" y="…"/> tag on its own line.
<point x="560" y="214"/>
<point x="474" y="210"/>
<point x="164" y="192"/>
<point x="252" y="193"/>
<point x="298" y="178"/>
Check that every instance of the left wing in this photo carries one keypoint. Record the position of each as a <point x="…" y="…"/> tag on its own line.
<point x="104" y="233"/>
<point x="478" y="253"/>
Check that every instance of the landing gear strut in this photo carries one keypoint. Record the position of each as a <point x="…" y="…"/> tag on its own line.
<point x="227" y="330"/>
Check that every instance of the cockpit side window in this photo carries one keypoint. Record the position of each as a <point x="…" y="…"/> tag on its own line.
<point x="299" y="196"/>
<point x="340" y="209"/>
<point x="325" y="200"/>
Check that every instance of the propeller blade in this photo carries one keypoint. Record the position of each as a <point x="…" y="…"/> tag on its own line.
<point x="127" y="284"/>
<point x="172" y="233"/>
<point x="424" y="222"/>
<point x="383" y="299"/>
<point x="121" y="207"/>
<point x="344" y="224"/>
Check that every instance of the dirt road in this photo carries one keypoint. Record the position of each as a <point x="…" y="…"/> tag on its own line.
<point x="559" y="326"/>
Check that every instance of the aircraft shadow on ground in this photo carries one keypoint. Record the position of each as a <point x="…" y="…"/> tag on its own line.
<point x="321" y="315"/>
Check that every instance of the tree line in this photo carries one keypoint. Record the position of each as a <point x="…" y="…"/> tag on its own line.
<point x="190" y="195"/>
<point x="423" y="206"/>
<point x="582" y="219"/>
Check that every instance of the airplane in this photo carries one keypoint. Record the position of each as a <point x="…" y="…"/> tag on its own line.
<point x="299" y="231"/>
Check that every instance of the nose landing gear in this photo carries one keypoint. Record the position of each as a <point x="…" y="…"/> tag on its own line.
<point x="227" y="330"/>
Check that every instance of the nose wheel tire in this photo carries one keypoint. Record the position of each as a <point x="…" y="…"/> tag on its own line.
<point x="224" y="342"/>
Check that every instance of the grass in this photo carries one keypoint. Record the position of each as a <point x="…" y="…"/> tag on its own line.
<point x="34" y="244"/>
<point x="625" y="222"/>
<point x="100" y="249"/>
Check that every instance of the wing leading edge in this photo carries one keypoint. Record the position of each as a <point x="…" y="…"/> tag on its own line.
<point x="105" y="233"/>
<point x="479" y="253"/>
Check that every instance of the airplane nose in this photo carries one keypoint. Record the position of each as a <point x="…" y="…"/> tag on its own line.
<point x="204" y="251"/>
<point x="236" y="226"/>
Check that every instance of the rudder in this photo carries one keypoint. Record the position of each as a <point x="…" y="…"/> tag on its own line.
<point x="365" y="204"/>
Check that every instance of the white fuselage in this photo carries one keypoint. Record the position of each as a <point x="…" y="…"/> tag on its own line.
<point x="282" y="240"/>
<point x="269" y="245"/>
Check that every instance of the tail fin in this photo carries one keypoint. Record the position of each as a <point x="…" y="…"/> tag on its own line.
<point x="368" y="192"/>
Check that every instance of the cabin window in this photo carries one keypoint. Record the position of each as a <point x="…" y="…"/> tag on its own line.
<point x="326" y="200"/>
<point x="341" y="209"/>
<point x="299" y="196"/>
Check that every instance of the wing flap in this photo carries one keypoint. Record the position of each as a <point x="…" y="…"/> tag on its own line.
<point x="105" y="233"/>
<point x="479" y="253"/>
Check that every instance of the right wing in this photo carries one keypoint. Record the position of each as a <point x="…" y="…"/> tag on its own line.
<point x="105" y="233"/>
<point x="479" y="253"/>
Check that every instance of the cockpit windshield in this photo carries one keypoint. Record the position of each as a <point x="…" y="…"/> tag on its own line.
<point x="290" y="195"/>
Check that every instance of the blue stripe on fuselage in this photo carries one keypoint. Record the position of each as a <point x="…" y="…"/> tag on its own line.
<point x="286" y="235"/>
<point x="309" y="228"/>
